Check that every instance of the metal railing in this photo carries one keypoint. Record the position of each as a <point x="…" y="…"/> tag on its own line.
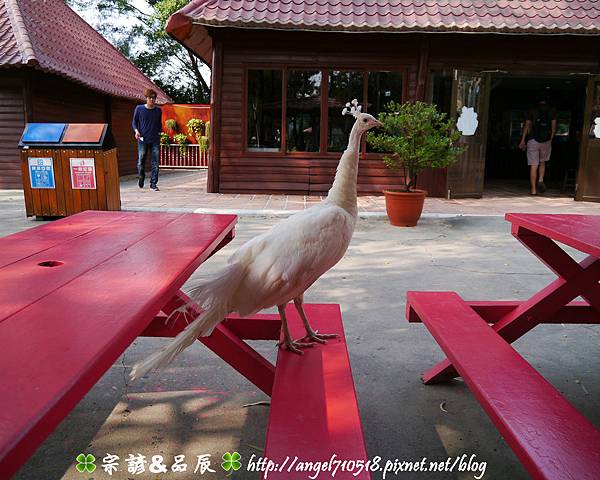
<point x="192" y="157"/>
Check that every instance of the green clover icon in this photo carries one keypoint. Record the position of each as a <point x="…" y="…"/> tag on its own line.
<point x="86" y="463"/>
<point x="231" y="461"/>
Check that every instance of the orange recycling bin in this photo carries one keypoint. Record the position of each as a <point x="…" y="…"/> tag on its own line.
<point x="69" y="168"/>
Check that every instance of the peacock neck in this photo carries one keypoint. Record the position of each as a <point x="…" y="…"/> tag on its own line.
<point x="343" y="190"/>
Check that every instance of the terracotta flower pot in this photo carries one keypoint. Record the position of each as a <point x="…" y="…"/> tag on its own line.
<point x="404" y="208"/>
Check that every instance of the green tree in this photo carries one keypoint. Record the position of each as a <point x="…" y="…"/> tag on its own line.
<point x="140" y="35"/>
<point x="416" y="136"/>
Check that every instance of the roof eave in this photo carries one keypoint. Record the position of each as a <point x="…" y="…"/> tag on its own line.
<point x="193" y="36"/>
<point x="204" y="23"/>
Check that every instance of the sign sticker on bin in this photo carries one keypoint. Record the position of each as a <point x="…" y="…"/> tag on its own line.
<point x="41" y="172"/>
<point x="83" y="173"/>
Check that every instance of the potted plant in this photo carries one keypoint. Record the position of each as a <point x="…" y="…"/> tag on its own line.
<point x="165" y="139"/>
<point x="414" y="136"/>
<point x="181" y="140"/>
<point x="171" y="125"/>
<point x="195" y="127"/>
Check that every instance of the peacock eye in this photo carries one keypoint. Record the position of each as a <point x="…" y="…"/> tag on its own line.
<point x="365" y="120"/>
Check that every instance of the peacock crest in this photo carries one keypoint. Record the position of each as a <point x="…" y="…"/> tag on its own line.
<point x="352" y="108"/>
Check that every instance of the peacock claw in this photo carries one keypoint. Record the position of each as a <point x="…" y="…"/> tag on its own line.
<point x="295" y="346"/>
<point x="318" y="337"/>
<point x="313" y="338"/>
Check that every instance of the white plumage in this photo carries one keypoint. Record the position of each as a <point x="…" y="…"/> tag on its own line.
<point x="278" y="266"/>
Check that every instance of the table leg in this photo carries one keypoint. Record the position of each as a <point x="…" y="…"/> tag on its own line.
<point x="575" y="279"/>
<point x="223" y="341"/>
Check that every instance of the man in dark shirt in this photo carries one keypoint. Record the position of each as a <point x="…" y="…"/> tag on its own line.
<point x="147" y="125"/>
<point x="538" y="132"/>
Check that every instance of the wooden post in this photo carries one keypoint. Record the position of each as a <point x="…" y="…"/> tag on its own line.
<point x="215" y="117"/>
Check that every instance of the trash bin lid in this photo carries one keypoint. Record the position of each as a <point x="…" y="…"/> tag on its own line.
<point x="66" y="136"/>
<point x="84" y="133"/>
<point x="43" y="133"/>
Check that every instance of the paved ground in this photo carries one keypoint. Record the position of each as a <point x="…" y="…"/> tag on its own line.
<point x="187" y="190"/>
<point x="196" y="405"/>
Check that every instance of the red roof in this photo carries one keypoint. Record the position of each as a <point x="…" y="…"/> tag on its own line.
<point x="50" y="36"/>
<point x="515" y="16"/>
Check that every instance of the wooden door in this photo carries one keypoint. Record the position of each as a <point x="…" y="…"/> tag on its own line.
<point x="470" y="100"/>
<point x="588" y="176"/>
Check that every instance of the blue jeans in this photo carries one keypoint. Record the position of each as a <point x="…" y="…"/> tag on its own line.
<point x="154" y="161"/>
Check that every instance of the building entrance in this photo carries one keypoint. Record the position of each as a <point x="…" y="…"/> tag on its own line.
<point x="511" y="99"/>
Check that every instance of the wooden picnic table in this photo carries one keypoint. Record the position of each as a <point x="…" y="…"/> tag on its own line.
<point x="75" y="293"/>
<point x="549" y="436"/>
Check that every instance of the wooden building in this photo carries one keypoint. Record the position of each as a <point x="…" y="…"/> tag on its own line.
<point x="54" y="67"/>
<point x="281" y="72"/>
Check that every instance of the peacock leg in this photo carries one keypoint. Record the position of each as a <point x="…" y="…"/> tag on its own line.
<point x="290" y="344"/>
<point x="311" y="335"/>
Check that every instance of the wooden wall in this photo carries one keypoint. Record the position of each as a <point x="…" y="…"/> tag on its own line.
<point x="54" y="99"/>
<point x="27" y="95"/>
<point x="121" y="116"/>
<point x="235" y="170"/>
<point x="12" y="121"/>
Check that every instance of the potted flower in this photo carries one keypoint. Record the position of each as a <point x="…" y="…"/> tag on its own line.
<point x="171" y="125"/>
<point x="414" y="136"/>
<point x="181" y="140"/>
<point x="195" y="127"/>
<point x="164" y="138"/>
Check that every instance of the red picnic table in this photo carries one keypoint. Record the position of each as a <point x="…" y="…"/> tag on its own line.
<point x="549" y="436"/>
<point x="75" y="293"/>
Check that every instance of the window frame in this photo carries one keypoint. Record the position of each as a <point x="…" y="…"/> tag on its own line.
<point x="324" y="121"/>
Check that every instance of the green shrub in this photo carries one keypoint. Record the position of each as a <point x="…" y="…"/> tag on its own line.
<point x="416" y="136"/>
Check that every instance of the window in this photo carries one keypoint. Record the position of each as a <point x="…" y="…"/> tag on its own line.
<point x="306" y="91"/>
<point x="440" y="90"/>
<point x="303" y="111"/>
<point x="383" y="87"/>
<point x="264" y="110"/>
<point x="343" y="87"/>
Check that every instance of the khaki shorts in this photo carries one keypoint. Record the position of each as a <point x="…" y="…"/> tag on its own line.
<point x="538" y="152"/>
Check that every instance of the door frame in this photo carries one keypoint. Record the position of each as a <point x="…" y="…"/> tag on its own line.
<point x="584" y="146"/>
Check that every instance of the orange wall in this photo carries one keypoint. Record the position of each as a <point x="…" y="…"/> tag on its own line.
<point x="182" y="112"/>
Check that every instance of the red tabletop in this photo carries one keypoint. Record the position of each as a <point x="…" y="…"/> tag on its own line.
<point x="74" y="294"/>
<point x="578" y="231"/>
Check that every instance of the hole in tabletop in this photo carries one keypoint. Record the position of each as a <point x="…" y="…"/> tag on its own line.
<point x="51" y="263"/>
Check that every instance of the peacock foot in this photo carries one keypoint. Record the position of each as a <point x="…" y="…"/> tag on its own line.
<point x="317" y="337"/>
<point x="295" y="346"/>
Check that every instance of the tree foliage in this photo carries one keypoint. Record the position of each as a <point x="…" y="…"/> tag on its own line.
<point x="142" y="39"/>
<point x="416" y="136"/>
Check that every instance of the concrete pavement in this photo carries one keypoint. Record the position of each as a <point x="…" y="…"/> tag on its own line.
<point x="186" y="190"/>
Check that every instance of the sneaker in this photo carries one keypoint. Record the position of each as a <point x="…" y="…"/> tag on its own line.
<point x="141" y="183"/>
<point x="155" y="188"/>
<point x="541" y="187"/>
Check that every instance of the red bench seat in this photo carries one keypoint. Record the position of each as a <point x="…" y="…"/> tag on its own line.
<point x="314" y="414"/>
<point x="550" y="437"/>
